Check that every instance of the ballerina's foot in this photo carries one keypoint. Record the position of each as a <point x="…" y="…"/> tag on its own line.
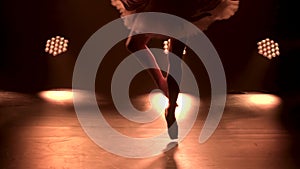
<point x="171" y="123"/>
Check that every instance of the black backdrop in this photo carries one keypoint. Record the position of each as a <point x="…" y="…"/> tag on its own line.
<point x="26" y="25"/>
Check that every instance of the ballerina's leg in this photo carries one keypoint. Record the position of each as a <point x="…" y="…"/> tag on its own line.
<point x="175" y="70"/>
<point x="147" y="59"/>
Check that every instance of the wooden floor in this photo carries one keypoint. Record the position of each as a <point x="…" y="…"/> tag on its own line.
<point x="37" y="133"/>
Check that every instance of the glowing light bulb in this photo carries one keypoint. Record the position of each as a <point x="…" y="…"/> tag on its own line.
<point x="268" y="48"/>
<point x="56" y="45"/>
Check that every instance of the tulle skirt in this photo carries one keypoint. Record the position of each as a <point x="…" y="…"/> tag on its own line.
<point x="201" y="13"/>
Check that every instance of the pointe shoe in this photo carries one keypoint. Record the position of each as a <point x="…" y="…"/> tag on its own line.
<point x="172" y="123"/>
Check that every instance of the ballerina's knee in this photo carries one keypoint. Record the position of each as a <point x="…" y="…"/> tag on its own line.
<point x="134" y="45"/>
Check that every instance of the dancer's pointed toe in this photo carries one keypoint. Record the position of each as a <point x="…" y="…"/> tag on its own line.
<point x="171" y="123"/>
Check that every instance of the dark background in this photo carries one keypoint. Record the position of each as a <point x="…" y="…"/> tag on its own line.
<point x="26" y="25"/>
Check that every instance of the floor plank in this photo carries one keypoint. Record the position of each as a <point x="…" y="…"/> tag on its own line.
<point x="40" y="134"/>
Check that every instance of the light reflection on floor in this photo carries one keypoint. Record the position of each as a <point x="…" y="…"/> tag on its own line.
<point x="157" y="100"/>
<point x="185" y="103"/>
<point x="261" y="100"/>
<point x="264" y="99"/>
<point x="66" y="96"/>
<point x="42" y="135"/>
<point x="57" y="96"/>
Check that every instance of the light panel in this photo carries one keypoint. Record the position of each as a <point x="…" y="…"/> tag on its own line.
<point x="268" y="48"/>
<point x="56" y="45"/>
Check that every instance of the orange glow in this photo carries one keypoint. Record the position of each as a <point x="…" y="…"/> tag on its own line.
<point x="264" y="99"/>
<point x="166" y="46"/>
<point x="66" y="96"/>
<point x="185" y="103"/>
<point x="268" y="48"/>
<point x="56" y="45"/>
<point x="159" y="101"/>
<point x="62" y="96"/>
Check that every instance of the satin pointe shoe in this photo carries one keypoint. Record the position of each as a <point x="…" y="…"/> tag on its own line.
<point x="171" y="122"/>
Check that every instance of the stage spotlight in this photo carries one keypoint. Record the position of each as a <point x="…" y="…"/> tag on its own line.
<point x="56" y="45"/>
<point x="268" y="48"/>
<point x="166" y="46"/>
